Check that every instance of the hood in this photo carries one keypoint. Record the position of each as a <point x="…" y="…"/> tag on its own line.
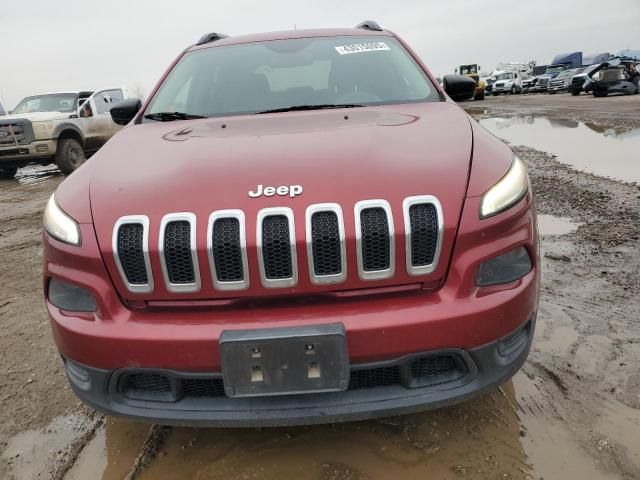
<point x="337" y="156"/>
<point x="39" y="116"/>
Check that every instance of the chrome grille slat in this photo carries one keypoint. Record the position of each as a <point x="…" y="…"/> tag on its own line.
<point x="276" y="243"/>
<point x="231" y="272"/>
<point x="427" y="238"/>
<point x="129" y="263"/>
<point x="375" y="239"/>
<point x="179" y="261"/>
<point x="326" y="250"/>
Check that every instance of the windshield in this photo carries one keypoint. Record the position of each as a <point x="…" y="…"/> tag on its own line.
<point x="254" y="77"/>
<point x="554" y="69"/>
<point x="58" y="102"/>
<point x="468" y="69"/>
<point x="504" y="76"/>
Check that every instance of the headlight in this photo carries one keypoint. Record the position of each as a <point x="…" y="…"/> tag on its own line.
<point x="60" y="225"/>
<point x="509" y="190"/>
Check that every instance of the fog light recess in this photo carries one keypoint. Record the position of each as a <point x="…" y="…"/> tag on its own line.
<point x="505" y="268"/>
<point x="70" y="297"/>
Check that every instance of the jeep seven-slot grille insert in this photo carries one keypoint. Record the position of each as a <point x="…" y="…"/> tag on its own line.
<point x="375" y="240"/>
<point x="276" y="246"/>
<point x="423" y="224"/>
<point x="326" y="250"/>
<point x="178" y="255"/>
<point x="130" y="246"/>
<point x="276" y="243"/>
<point x="227" y="250"/>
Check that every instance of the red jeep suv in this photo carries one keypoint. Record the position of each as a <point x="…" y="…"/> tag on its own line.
<point x="296" y="227"/>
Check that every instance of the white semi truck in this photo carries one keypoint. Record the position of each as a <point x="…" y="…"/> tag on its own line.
<point x="508" y="77"/>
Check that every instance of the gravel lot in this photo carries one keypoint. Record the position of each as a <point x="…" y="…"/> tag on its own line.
<point x="572" y="412"/>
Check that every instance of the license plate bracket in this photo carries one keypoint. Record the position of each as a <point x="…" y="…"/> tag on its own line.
<point x="284" y="361"/>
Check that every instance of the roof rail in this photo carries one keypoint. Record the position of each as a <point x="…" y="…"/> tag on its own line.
<point x="370" y="25"/>
<point x="211" y="37"/>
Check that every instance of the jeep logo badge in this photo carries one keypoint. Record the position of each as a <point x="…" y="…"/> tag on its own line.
<point x="282" y="190"/>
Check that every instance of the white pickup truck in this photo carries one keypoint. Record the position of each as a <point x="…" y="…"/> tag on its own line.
<point x="62" y="128"/>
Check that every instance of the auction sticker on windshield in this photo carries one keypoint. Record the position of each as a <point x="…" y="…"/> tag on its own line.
<point x="362" y="48"/>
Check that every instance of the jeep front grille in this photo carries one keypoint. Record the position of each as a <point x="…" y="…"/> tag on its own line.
<point x="276" y="246"/>
<point x="130" y="248"/>
<point x="227" y="251"/>
<point x="423" y="224"/>
<point x="130" y="245"/>
<point x="178" y="256"/>
<point x="375" y="239"/>
<point x="326" y="244"/>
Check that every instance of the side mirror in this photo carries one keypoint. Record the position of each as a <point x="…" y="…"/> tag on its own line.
<point x="459" y="87"/>
<point x="123" y="112"/>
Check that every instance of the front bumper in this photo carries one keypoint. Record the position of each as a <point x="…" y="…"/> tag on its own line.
<point x="381" y="327"/>
<point x="21" y="154"/>
<point x="487" y="367"/>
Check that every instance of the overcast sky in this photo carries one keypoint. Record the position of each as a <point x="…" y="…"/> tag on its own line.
<point x="52" y="45"/>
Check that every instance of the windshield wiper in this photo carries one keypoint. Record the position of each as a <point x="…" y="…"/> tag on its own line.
<point x="169" y="116"/>
<point x="297" y="108"/>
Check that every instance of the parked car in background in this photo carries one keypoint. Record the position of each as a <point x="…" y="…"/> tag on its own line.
<point x="506" y="82"/>
<point x="580" y="82"/>
<point x="562" y="82"/>
<point x="617" y="76"/>
<point x="530" y="85"/>
<point x="550" y="73"/>
<point x="62" y="128"/>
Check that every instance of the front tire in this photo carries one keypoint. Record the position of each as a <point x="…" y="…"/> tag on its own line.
<point x="7" y="173"/>
<point x="69" y="155"/>
<point x="575" y="93"/>
<point x="479" y="96"/>
<point x="514" y="90"/>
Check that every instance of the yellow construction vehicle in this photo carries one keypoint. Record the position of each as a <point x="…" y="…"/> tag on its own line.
<point x="473" y="71"/>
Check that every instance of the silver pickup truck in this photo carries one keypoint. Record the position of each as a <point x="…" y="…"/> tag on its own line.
<point x="62" y="128"/>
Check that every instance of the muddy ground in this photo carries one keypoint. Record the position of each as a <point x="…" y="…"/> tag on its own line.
<point x="572" y="412"/>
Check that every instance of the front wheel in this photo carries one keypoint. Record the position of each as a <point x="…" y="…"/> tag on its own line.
<point x="575" y="93"/>
<point x="514" y="90"/>
<point x="69" y="155"/>
<point x="7" y="173"/>
<point x="479" y="96"/>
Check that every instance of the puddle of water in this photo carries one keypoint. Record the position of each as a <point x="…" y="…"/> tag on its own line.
<point x="609" y="152"/>
<point x="511" y="433"/>
<point x="32" y="174"/>
<point x="32" y="453"/>
<point x="551" y="447"/>
<point x="551" y="225"/>
<point x="112" y="451"/>
<point x="514" y="433"/>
